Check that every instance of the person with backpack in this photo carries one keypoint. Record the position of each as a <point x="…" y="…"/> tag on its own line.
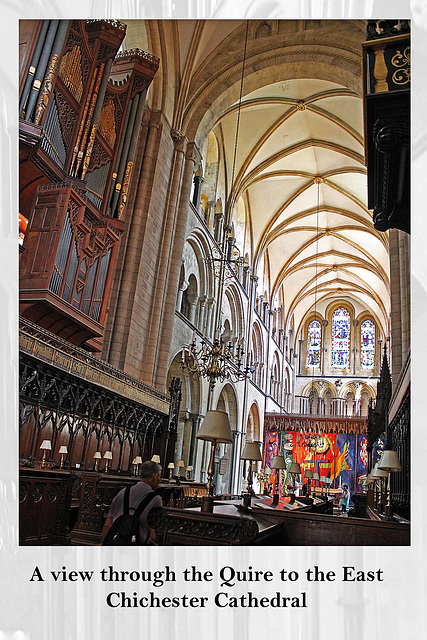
<point x="126" y="522"/>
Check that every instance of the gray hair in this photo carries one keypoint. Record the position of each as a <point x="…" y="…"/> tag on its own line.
<point x="149" y="469"/>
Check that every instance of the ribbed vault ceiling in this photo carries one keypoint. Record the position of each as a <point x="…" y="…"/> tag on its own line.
<point x="300" y="123"/>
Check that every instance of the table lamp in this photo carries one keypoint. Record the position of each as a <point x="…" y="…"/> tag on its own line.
<point x="180" y="465"/>
<point x="378" y="474"/>
<point x="189" y="469"/>
<point x="309" y="475"/>
<point x="107" y="457"/>
<point x="97" y="458"/>
<point x="278" y="462"/>
<point x="45" y="446"/>
<point x="294" y="470"/>
<point x="136" y="462"/>
<point x="171" y="467"/>
<point x="215" y="428"/>
<point x="389" y="462"/>
<point x="62" y="452"/>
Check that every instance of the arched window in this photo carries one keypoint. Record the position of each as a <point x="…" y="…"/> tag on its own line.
<point x="341" y="338"/>
<point x="314" y="342"/>
<point x="367" y="344"/>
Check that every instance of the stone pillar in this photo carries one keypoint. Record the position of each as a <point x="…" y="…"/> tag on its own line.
<point x="179" y="444"/>
<point x="170" y="268"/>
<point x="126" y="321"/>
<point x="198" y="181"/>
<point x="246" y="274"/>
<point x="300" y="342"/>
<point x="218" y="222"/>
<point x="180" y="292"/>
<point x="201" y="319"/>
<point x="192" y="305"/>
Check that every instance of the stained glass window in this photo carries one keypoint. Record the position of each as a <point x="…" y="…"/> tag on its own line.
<point x="341" y="338"/>
<point x="314" y="341"/>
<point x="367" y="344"/>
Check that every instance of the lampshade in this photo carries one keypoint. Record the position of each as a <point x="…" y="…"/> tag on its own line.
<point x="308" y="473"/>
<point x="251" y="452"/>
<point x="180" y="464"/>
<point x="171" y="465"/>
<point x="215" y="426"/>
<point x="97" y="455"/>
<point x="389" y="461"/>
<point x="378" y="473"/>
<point x="295" y="468"/>
<point x="278" y="462"/>
<point x="315" y="476"/>
<point x="46" y="444"/>
<point x="323" y="479"/>
<point x="189" y="468"/>
<point x="328" y="480"/>
<point x="63" y="449"/>
<point x="137" y="460"/>
<point x="156" y="458"/>
<point x="108" y="455"/>
<point x="267" y="471"/>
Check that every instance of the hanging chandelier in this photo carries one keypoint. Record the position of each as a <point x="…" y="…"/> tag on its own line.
<point x="221" y="360"/>
<point x="215" y="361"/>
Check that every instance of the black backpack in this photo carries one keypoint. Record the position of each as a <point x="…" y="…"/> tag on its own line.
<point x="125" y="528"/>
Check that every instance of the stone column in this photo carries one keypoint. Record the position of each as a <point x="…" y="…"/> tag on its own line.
<point x="300" y="342"/>
<point x="198" y="181"/>
<point x="201" y="320"/>
<point x="131" y="260"/>
<point x="192" y="304"/>
<point x="179" y="444"/>
<point x="180" y="292"/>
<point x="218" y="222"/>
<point x="170" y="268"/>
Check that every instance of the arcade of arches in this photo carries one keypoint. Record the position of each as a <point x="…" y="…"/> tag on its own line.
<point x="314" y="292"/>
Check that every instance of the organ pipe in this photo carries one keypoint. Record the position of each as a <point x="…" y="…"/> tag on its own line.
<point x="51" y="72"/>
<point x="33" y="65"/>
<point x="131" y="153"/>
<point x="94" y="98"/>
<point x="118" y="156"/>
<point x="41" y="68"/>
<point x="96" y="114"/>
<point x="122" y="165"/>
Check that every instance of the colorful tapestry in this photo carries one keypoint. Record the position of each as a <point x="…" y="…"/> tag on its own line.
<point x="362" y="462"/>
<point x="342" y="457"/>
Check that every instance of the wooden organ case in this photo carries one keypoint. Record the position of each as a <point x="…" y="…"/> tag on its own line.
<point x="81" y="108"/>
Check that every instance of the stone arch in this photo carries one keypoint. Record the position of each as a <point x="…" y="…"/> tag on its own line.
<point x="265" y="63"/>
<point x="253" y="426"/>
<point x="227" y="401"/>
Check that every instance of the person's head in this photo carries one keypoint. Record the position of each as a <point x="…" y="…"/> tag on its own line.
<point x="151" y="472"/>
<point x="345" y="486"/>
